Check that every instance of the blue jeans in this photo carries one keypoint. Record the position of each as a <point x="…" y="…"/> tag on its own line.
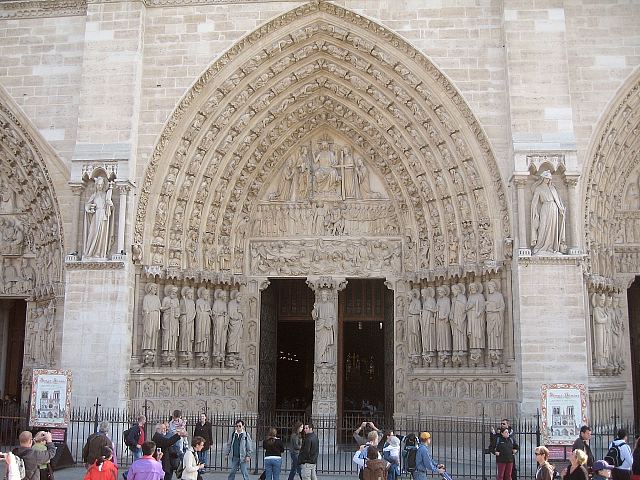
<point x="295" y="466"/>
<point x="235" y="465"/>
<point x="272" y="467"/>
<point x="419" y="475"/>
<point x="202" y="456"/>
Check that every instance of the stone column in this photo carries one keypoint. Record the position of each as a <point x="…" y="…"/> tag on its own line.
<point x="74" y="248"/>
<point x="575" y="247"/>
<point x="325" y="316"/>
<point x="122" y="220"/>
<point x="523" y="245"/>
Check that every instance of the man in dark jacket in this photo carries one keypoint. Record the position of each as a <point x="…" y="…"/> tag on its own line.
<point x="203" y="429"/>
<point x="135" y="439"/>
<point x="95" y="443"/>
<point x="582" y="443"/>
<point x="163" y="441"/>
<point x="32" y="458"/>
<point x="308" y="457"/>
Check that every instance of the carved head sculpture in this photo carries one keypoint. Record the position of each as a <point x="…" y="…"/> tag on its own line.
<point x="443" y="291"/>
<point x="151" y="288"/>
<point x="100" y="183"/>
<point x="473" y="288"/>
<point x="187" y="292"/>
<point x="461" y="289"/>
<point x="171" y="291"/>
<point x="616" y="301"/>
<point x="609" y="300"/>
<point x="491" y="286"/>
<point x="324" y="295"/>
<point x="203" y="293"/>
<point x="546" y="176"/>
<point x="221" y="294"/>
<point x="233" y="295"/>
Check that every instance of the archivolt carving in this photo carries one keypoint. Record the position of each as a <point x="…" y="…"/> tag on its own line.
<point x="30" y="223"/>
<point x="325" y="71"/>
<point x="612" y="160"/>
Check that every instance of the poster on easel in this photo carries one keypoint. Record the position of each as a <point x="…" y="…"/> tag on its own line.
<point x="50" y="398"/>
<point x="564" y="411"/>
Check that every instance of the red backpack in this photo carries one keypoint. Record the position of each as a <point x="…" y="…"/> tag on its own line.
<point x="375" y="470"/>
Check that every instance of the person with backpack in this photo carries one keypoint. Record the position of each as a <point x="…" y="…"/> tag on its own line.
<point x="361" y="455"/>
<point x="619" y="453"/>
<point x="103" y="468"/>
<point x="375" y="468"/>
<point x="409" y="451"/>
<point x="391" y="453"/>
<point x="424" y="461"/>
<point x="134" y="437"/>
<point x="240" y="448"/>
<point x="30" y="458"/>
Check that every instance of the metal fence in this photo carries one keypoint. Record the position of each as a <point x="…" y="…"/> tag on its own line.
<point x="459" y="443"/>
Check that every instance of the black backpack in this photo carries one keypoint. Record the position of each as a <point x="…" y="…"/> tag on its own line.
<point x="613" y="456"/>
<point x="125" y="436"/>
<point x="410" y="452"/>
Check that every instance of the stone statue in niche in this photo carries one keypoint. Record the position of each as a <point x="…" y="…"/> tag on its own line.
<point x="304" y="173"/>
<point x="151" y="307"/>
<point x="476" y="324"/>
<point x="324" y="314"/>
<point x="38" y="331"/>
<point x="203" y="326"/>
<point x="413" y="326"/>
<point x="187" y="318"/>
<point x="47" y="340"/>
<point x="326" y="175"/>
<point x="287" y="182"/>
<point x="428" y="325"/>
<point x="458" y="320"/>
<point x="28" y="276"/>
<point x="495" y="306"/>
<point x="617" y="333"/>
<point x="220" y="318"/>
<point x="11" y="280"/>
<point x="547" y="218"/>
<point x="234" y="331"/>
<point x="98" y="220"/>
<point x="600" y="330"/>
<point x="170" y="323"/>
<point x="443" y="330"/>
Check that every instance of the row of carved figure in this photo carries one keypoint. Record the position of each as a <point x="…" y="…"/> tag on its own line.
<point x="453" y="330"/>
<point x="187" y="328"/>
<point x="608" y="331"/>
<point x="628" y="229"/>
<point x="18" y="276"/>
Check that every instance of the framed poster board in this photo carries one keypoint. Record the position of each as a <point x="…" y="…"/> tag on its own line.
<point x="564" y="411"/>
<point x="50" y="398"/>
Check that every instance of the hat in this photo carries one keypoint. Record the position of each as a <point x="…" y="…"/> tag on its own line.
<point x="601" y="465"/>
<point x="40" y="436"/>
<point x="425" y="436"/>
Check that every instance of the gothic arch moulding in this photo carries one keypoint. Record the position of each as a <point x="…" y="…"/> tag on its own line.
<point x="31" y="235"/>
<point x="322" y="113"/>
<point x="611" y="200"/>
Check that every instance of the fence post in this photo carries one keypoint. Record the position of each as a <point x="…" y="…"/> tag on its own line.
<point x="538" y="442"/>
<point x="95" y="417"/>
<point x="255" y="470"/>
<point x="484" y="457"/>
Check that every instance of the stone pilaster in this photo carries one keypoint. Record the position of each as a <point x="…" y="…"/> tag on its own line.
<point x="122" y="220"/>
<point x="325" y="316"/>
<point x="523" y="247"/>
<point x="575" y="247"/>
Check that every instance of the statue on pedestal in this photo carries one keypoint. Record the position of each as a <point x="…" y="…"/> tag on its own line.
<point x="187" y="317"/>
<point x="203" y="326"/>
<point x="151" y="307"/>
<point x="495" y="307"/>
<point x="98" y="221"/>
<point x="170" y="323"/>
<point x="324" y="314"/>
<point x="476" y="323"/>
<point x="547" y="218"/>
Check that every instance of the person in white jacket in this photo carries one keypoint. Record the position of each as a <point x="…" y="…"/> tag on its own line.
<point x="13" y="472"/>
<point x="190" y="460"/>
<point x="624" y="448"/>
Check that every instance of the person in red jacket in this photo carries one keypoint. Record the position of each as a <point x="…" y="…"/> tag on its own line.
<point x="103" y="468"/>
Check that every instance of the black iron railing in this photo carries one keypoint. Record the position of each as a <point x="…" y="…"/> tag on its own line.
<point x="459" y="443"/>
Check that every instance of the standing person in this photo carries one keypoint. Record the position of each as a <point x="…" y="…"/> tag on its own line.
<point x="505" y="448"/>
<point x="240" y="447"/>
<point x="95" y="443"/>
<point x="170" y="461"/>
<point x="603" y="471"/>
<point x="576" y="470"/>
<point x="40" y="445"/>
<point x="134" y="440"/>
<point x="192" y="466"/>
<point x="619" y="454"/>
<point x="273" y="448"/>
<point x="635" y="467"/>
<point x="375" y="468"/>
<point x="295" y="440"/>
<point x="495" y="436"/>
<point x="32" y="458"/>
<point x="391" y="453"/>
<point x="147" y="467"/>
<point x="361" y="456"/>
<point x="203" y="429"/>
<point x="582" y="443"/>
<point x="309" y="453"/>
<point x="103" y="468"/>
<point x="545" y="469"/>
<point x="424" y="461"/>
<point x="361" y="434"/>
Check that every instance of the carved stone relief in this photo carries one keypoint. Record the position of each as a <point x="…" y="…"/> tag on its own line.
<point x="608" y="327"/>
<point x="40" y="331"/>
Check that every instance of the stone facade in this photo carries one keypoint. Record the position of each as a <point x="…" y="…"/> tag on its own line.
<point x="489" y="177"/>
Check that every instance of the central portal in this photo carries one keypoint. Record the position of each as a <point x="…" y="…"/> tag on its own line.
<point x="364" y="341"/>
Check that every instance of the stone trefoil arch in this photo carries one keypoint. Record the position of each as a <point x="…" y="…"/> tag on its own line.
<point x="324" y="67"/>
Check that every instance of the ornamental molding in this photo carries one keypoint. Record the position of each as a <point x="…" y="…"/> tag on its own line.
<point x="320" y="71"/>
<point x="551" y="260"/>
<point x="106" y="265"/>
<point x="43" y="9"/>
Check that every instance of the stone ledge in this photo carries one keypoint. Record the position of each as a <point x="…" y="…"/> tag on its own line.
<point x="97" y="265"/>
<point x="175" y="374"/>
<point x="552" y="260"/>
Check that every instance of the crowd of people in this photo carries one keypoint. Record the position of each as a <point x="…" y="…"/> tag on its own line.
<point x="379" y="455"/>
